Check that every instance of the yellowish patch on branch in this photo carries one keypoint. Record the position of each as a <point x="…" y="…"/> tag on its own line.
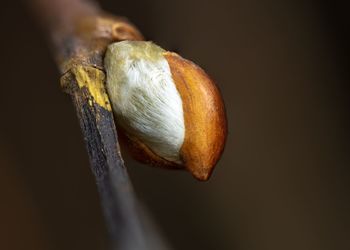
<point x="92" y="79"/>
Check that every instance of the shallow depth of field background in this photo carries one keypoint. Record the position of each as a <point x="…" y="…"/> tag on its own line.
<point x="283" y="181"/>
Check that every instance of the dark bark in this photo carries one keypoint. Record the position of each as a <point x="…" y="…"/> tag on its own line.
<point x="79" y="33"/>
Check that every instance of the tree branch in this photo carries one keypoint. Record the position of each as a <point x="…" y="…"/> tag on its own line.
<point x="79" y="33"/>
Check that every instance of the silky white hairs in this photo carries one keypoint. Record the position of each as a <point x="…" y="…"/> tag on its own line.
<point x="144" y="96"/>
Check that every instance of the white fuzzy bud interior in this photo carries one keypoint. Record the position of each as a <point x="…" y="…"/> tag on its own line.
<point x="144" y="96"/>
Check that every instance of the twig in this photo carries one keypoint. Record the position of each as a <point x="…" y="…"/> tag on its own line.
<point x="79" y="33"/>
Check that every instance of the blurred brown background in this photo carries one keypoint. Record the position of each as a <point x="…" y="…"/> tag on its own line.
<point x="283" y="181"/>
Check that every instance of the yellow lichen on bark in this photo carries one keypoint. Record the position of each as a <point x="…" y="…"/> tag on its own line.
<point x="92" y="79"/>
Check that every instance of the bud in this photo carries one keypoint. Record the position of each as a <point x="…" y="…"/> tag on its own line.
<point x="168" y="108"/>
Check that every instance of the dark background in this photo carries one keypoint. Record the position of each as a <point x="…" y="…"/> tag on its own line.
<point x="283" y="181"/>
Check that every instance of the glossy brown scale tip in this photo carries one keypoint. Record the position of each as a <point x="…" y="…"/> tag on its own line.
<point x="204" y="114"/>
